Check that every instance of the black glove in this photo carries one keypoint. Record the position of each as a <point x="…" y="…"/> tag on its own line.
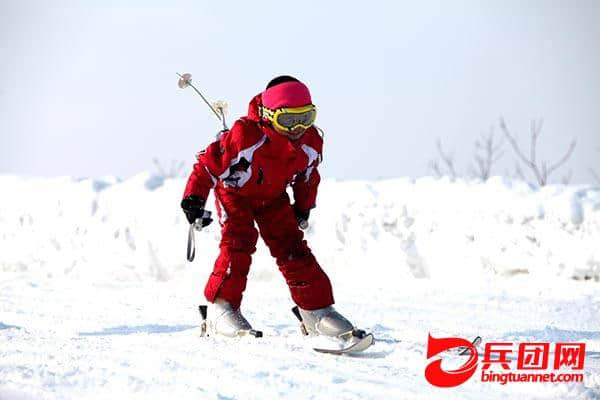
<point x="193" y="207"/>
<point x="302" y="217"/>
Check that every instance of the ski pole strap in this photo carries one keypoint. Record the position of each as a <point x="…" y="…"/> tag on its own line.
<point x="191" y="246"/>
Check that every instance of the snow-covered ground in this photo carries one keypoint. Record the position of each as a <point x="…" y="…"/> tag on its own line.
<point x="97" y="300"/>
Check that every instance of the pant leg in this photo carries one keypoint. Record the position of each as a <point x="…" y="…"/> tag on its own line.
<point x="238" y="242"/>
<point x="309" y="285"/>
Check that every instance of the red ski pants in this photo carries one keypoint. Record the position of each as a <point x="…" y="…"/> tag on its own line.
<point x="309" y="285"/>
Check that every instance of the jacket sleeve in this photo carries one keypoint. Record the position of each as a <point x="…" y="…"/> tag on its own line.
<point x="306" y="183"/>
<point x="212" y="163"/>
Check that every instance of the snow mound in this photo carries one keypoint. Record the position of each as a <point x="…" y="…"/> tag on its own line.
<point x="134" y="230"/>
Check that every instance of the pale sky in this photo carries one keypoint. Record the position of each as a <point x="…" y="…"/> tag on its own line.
<point x="88" y="88"/>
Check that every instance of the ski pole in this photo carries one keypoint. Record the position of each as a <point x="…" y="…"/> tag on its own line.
<point x="185" y="80"/>
<point x="195" y="226"/>
<point x="191" y="246"/>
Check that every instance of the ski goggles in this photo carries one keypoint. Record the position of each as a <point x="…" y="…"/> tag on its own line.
<point x="288" y="119"/>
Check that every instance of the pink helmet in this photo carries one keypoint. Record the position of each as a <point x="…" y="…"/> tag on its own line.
<point x="285" y="91"/>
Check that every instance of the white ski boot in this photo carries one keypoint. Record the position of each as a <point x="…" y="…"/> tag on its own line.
<point x="219" y="318"/>
<point x="330" y="323"/>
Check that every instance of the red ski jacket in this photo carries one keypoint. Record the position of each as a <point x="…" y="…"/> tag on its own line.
<point x="254" y="161"/>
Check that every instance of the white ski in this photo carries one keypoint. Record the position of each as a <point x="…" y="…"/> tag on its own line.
<point x="356" y="347"/>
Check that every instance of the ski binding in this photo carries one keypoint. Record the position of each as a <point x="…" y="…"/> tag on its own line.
<point x="356" y="340"/>
<point x="205" y="329"/>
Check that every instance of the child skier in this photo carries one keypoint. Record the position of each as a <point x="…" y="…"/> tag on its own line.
<point x="249" y="168"/>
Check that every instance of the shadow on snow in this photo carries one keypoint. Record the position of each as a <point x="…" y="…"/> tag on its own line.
<point x="4" y="326"/>
<point x="551" y="334"/>
<point x="132" y="330"/>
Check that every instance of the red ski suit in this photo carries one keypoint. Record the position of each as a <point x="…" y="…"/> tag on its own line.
<point x="249" y="168"/>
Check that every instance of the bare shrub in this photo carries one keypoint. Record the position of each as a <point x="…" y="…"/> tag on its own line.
<point x="487" y="153"/>
<point x="541" y="170"/>
<point x="175" y="170"/>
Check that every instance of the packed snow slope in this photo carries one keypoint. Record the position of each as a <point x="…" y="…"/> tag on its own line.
<point x="97" y="300"/>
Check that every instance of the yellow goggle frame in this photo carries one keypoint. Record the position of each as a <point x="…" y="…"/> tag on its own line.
<point x="288" y="119"/>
